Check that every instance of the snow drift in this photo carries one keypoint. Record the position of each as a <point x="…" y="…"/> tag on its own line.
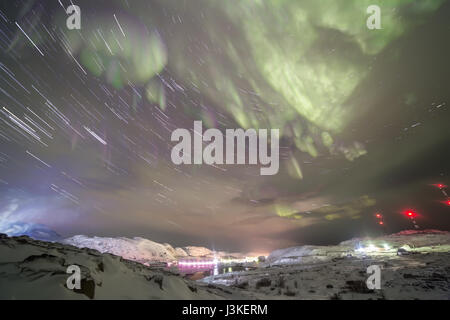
<point x="31" y="269"/>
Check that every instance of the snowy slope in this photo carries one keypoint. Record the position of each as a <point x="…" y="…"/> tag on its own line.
<point x="424" y="240"/>
<point x="412" y="238"/>
<point x="340" y="272"/>
<point x="420" y="276"/>
<point x="140" y="249"/>
<point x="137" y="249"/>
<point x="198" y="251"/>
<point x="31" y="269"/>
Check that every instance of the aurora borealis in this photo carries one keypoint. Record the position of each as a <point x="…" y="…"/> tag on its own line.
<point x="86" y="117"/>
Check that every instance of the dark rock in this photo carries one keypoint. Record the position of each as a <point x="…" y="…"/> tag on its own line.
<point x="45" y="257"/>
<point x="358" y="286"/>
<point x="289" y="293"/>
<point x="280" y="282"/>
<point x="192" y="288"/>
<point x="263" y="282"/>
<point x="87" y="288"/>
<point x="242" y="285"/>
<point x="159" y="280"/>
<point x="402" y="252"/>
<point x="335" y="297"/>
<point x="101" y="267"/>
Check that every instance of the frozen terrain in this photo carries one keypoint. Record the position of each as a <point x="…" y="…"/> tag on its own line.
<point x="422" y="271"/>
<point x="136" y="249"/>
<point x="142" y="250"/>
<point x="33" y="269"/>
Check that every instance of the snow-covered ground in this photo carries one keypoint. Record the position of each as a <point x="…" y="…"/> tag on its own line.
<point x="33" y="269"/>
<point x="340" y="272"/>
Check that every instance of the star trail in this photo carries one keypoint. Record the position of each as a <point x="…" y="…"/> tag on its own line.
<point x="86" y="117"/>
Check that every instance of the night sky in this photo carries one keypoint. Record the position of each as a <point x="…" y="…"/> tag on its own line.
<point x="86" y="117"/>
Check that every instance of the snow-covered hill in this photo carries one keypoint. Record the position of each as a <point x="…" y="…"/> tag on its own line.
<point x="412" y="240"/>
<point x="31" y="269"/>
<point x="422" y="271"/>
<point x="198" y="251"/>
<point x="136" y="249"/>
<point x="140" y="249"/>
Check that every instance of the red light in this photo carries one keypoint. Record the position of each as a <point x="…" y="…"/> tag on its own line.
<point x="410" y="214"/>
<point x="378" y="215"/>
<point x="447" y="202"/>
<point x="440" y="185"/>
<point x="381" y="222"/>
